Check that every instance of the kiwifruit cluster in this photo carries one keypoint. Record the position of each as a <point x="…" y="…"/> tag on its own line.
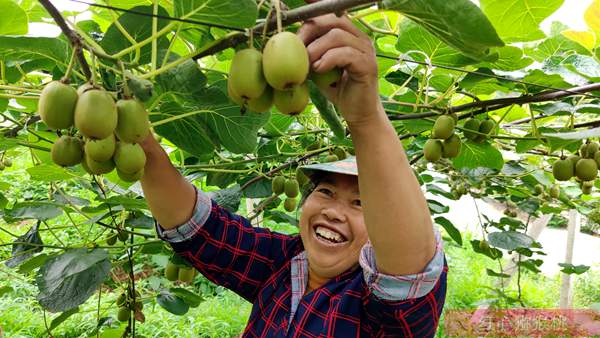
<point x="443" y="142"/>
<point x="5" y="163"/>
<point x="276" y="76"/>
<point x="582" y="166"/>
<point x="478" y="131"/>
<point x="126" y="305"/>
<point x="174" y="272"/>
<point x="121" y="235"/>
<point x="110" y="131"/>
<point x="290" y="187"/>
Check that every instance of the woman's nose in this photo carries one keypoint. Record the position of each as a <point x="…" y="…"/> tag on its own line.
<point x="333" y="213"/>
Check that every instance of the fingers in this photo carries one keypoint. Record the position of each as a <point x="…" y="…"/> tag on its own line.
<point x="316" y="27"/>
<point x="335" y="38"/>
<point x="357" y="63"/>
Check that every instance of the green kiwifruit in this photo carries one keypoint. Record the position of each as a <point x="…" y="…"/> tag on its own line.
<point x="301" y="177"/>
<point x="124" y="314"/>
<point x="583" y="150"/>
<point x="123" y="236"/>
<point x="484" y="245"/>
<point x="574" y="159"/>
<point x="592" y="149"/>
<point x="433" y="150"/>
<point x="235" y="97"/>
<point x="487" y="128"/>
<point x="597" y="158"/>
<point x="443" y="127"/>
<point x="186" y="274"/>
<point x="57" y="105"/>
<point x="586" y="187"/>
<point x="263" y="103"/>
<point x="327" y="80"/>
<point x="285" y="61"/>
<point x="586" y="169"/>
<point x="340" y="153"/>
<point x="112" y="239"/>
<point x="96" y="114"/>
<point x="122" y="300"/>
<point x="136" y="176"/>
<point x="2" y="167"/>
<point x="85" y="87"/>
<point x="246" y="74"/>
<point x="101" y="150"/>
<point x="555" y="191"/>
<point x="471" y="126"/>
<point x="563" y="170"/>
<point x="291" y="188"/>
<point x="330" y="158"/>
<point x="171" y="271"/>
<point x="7" y="162"/>
<point x="132" y="125"/>
<point x="129" y="157"/>
<point x="451" y="146"/>
<point x="292" y="102"/>
<point x="67" y="151"/>
<point x="278" y="185"/>
<point x="538" y="189"/>
<point x="290" y="204"/>
<point x="98" y="168"/>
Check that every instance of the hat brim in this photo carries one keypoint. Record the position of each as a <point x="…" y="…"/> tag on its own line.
<point x="346" y="166"/>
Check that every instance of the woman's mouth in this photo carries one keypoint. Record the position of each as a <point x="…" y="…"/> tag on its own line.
<point x="329" y="237"/>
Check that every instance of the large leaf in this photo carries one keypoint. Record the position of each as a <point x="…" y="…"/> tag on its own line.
<point x="13" y="19"/>
<point x="39" y="210"/>
<point x="509" y="58"/>
<point x="474" y="155"/>
<point x="576" y="135"/>
<point x="22" y="252"/>
<point x="184" y="80"/>
<point x="228" y="198"/>
<point x="510" y="240"/>
<point x="519" y="20"/>
<point x="459" y="23"/>
<point x="139" y="28"/>
<point x="230" y="13"/>
<point x="29" y="48"/>
<point x="68" y="280"/>
<point x="51" y="172"/>
<point x="172" y="303"/>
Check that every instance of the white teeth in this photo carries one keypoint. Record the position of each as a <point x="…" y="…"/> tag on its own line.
<point x="331" y="235"/>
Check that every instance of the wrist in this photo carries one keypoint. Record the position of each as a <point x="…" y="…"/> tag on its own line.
<point x="373" y="118"/>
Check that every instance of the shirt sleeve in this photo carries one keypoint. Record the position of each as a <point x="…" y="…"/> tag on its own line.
<point x="407" y="305"/>
<point x="227" y="249"/>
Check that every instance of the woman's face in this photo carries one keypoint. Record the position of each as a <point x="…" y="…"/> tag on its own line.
<point x="333" y="210"/>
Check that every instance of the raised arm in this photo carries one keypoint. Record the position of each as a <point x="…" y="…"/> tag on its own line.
<point x="395" y="210"/>
<point x="170" y="196"/>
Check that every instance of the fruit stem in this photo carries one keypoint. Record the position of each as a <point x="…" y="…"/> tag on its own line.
<point x="278" y="13"/>
<point x="66" y="79"/>
<point x="126" y="91"/>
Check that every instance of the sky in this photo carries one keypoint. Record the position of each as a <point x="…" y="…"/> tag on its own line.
<point x="570" y="13"/>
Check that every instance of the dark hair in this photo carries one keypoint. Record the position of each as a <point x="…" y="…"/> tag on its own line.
<point x="314" y="179"/>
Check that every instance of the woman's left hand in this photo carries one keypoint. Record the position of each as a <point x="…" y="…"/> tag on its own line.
<point x="335" y="42"/>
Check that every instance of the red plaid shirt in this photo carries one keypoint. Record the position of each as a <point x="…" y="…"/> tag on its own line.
<point x="270" y="270"/>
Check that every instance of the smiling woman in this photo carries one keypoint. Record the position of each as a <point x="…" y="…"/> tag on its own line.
<point x="367" y="262"/>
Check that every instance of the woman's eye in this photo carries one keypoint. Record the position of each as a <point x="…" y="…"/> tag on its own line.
<point x="356" y="202"/>
<point x="325" y="191"/>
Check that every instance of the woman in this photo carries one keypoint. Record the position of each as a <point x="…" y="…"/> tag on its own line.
<point x="367" y="261"/>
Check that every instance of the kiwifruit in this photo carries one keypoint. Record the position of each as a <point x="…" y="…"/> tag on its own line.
<point x="85" y="87"/>
<point x="592" y="148"/>
<point x="443" y="127"/>
<point x="330" y="158"/>
<point x="471" y="126"/>
<point x="290" y="204"/>
<point x="278" y="185"/>
<point x="67" y="151"/>
<point x="136" y="176"/>
<point x="293" y="101"/>
<point x="186" y="274"/>
<point x="563" y="170"/>
<point x="597" y="158"/>
<point x="451" y="146"/>
<point x="574" y="159"/>
<point x="129" y="157"/>
<point x="583" y="150"/>
<point x="98" y="168"/>
<point x="484" y="245"/>
<point x="538" y="189"/>
<point x="486" y="127"/>
<point x="57" y="105"/>
<point x="171" y="271"/>
<point x="2" y="167"/>
<point x="340" y="153"/>
<point x="122" y="300"/>
<point x="133" y="125"/>
<point x="555" y="191"/>
<point x="246" y="74"/>
<point x="285" y="61"/>
<point x="586" y="187"/>
<point x="235" y="97"/>
<point x="327" y="80"/>
<point x="112" y="239"/>
<point x="586" y="169"/>
<point x="7" y="162"/>
<point x="123" y="236"/>
<point x="433" y="150"/>
<point x="101" y="150"/>
<point x="263" y="103"/>
<point x="96" y="114"/>
<point x="291" y="188"/>
<point x="124" y="314"/>
<point x="301" y="177"/>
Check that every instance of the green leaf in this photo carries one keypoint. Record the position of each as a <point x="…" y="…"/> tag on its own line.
<point x="39" y="210"/>
<point x="436" y="207"/>
<point x="68" y="280"/>
<point x="450" y="229"/>
<point x="459" y="23"/>
<point x="62" y="317"/>
<point x="13" y="19"/>
<point x="538" y="77"/>
<point x="573" y="269"/>
<point x="21" y="252"/>
<point x="51" y="172"/>
<point x="230" y="13"/>
<point x="327" y="111"/>
<point x="29" y="48"/>
<point x="258" y="189"/>
<point x="5" y="289"/>
<point x="413" y="37"/>
<point x="492" y="253"/>
<point x="184" y="80"/>
<point x="172" y="303"/>
<point x="510" y="58"/>
<point x="33" y="263"/>
<point x="474" y="155"/>
<point x="519" y="20"/>
<point x="556" y="45"/>
<point x="493" y="273"/>
<point x="190" y="298"/>
<point x="139" y="28"/>
<point x="575" y="135"/>
<point x="278" y="124"/>
<point x="229" y="198"/>
<point x="510" y="240"/>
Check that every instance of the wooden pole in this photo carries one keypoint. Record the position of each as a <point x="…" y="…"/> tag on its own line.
<point x="566" y="292"/>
